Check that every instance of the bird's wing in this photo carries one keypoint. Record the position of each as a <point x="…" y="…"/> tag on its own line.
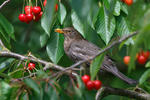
<point x="82" y="49"/>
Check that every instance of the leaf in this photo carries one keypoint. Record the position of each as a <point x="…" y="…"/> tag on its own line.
<point x="124" y="8"/>
<point x="78" y="25"/>
<point x="147" y="64"/>
<point x="48" y="17"/>
<point x="43" y="39"/>
<point x="7" y="26"/>
<point x="55" y="47"/>
<point x="105" y="25"/>
<point x="123" y="28"/>
<point x="81" y="7"/>
<point x="5" y="88"/>
<point x="117" y="8"/>
<point x="6" y="37"/>
<point x="32" y="84"/>
<point x="144" y="76"/>
<point x="95" y="66"/>
<point x="62" y="13"/>
<point x="4" y="64"/>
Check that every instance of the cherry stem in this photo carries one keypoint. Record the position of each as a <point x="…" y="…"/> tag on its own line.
<point x="42" y="5"/>
<point x="36" y="2"/>
<point x="23" y="7"/>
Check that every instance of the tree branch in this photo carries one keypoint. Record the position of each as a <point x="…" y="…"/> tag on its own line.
<point x="105" y="91"/>
<point x="101" y="51"/>
<point x="4" y="3"/>
<point x="22" y="58"/>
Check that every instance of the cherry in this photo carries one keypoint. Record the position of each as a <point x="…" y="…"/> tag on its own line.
<point x="36" y="10"/>
<point x="31" y="66"/>
<point x="44" y="3"/>
<point x="128" y="2"/>
<point x="85" y="78"/>
<point x="141" y="59"/>
<point x="145" y="54"/>
<point x="22" y="17"/>
<point x="56" y="7"/>
<point x="29" y="18"/>
<point x="97" y="84"/>
<point x="126" y="60"/>
<point x="90" y="85"/>
<point x="28" y="9"/>
<point x="38" y="17"/>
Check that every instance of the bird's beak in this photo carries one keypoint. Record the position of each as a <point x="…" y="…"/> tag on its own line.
<point x="59" y="30"/>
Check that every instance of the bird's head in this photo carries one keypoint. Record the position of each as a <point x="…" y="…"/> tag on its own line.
<point x="69" y="32"/>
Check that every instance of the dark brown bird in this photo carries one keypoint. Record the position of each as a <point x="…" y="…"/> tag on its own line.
<point x="77" y="48"/>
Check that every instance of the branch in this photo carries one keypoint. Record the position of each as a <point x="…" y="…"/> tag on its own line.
<point x="4" y="3"/>
<point x="33" y="59"/>
<point x="101" y="51"/>
<point x="104" y="91"/>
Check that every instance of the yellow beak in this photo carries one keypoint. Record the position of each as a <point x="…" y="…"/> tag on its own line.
<point x="59" y="30"/>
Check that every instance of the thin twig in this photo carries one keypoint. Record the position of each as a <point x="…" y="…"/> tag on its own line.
<point x="4" y="3"/>
<point x="105" y="90"/>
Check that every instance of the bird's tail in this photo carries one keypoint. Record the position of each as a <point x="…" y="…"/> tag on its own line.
<point x="117" y="73"/>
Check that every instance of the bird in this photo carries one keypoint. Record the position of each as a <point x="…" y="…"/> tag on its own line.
<point x="77" y="48"/>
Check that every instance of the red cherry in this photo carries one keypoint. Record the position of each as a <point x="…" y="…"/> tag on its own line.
<point x="126" y="60"/>
<point x="36" y="10"/>
<point x="31" y="66"/>
<point x="141" y="59"/>
<point x="145" y="54"/>
<point x="29" y="18"/>
<point x="44" y="3"/>
<point x="38" y="17"/>
<point x="128" y="2"/>
<point x="28" y="9"/>
<point x="22" y="17"/>
<point x="56" y="7"/>
<point x="97" y="84"/>
<point x="89" y="85"/>
<point x="85" y="78"/>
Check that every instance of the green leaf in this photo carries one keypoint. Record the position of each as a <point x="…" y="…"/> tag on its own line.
<point x="55" y="47"/>
<point x="43" y="39"/>
<point x="78" y="25"/>
<point x="4" y="64"/>
<point x="33" y="85"/>
<point x="144" y="76"/>
<point x="95" y="66"/>
<point x="7" y="26"/>
<point x="48" y="17"/>
<point x="105" y="25"/>
<point x="62" y="13"/>
<point x="147" y="64"/>
<point x="5" y="88"/>
<point x="81" y="7"/>
<point x="6" y="37"/>
<point x="117" y="9"/>
<point x="124" y="8"/>
<point x="123" y="28"/>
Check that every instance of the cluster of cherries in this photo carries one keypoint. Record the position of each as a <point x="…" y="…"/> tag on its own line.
<point x="141" y="57"/>
<point x="128" y="2"/>
<point x="96" y="84"/>
<point x="31" y="66"/>
<point x="31" y="13"/>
